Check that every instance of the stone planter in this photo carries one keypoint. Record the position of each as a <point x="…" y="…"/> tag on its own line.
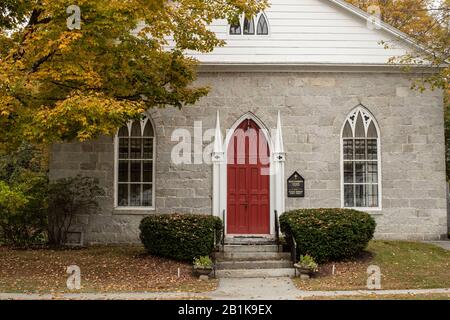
<point x="202" y="271"/>
<point x="304" y="272"/>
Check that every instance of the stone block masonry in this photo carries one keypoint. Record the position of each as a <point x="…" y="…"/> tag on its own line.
<point x="313" y="108"/>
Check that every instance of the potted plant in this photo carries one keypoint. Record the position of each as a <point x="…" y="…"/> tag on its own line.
<point x="307" y="265"/>
<point x="203" y="265"/>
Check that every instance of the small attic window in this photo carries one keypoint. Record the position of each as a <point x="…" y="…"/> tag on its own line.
<point x="262" y="28"/>
<point x="246" y="26"/>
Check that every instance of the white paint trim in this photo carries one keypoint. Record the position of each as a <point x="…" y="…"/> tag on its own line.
<point x="279" y="158"/>
<point x="116" y="168"/>
<point x="379" y="158"/>
<point x="223" y="170"/>
<point x="258" y="67"/>
<point x="217" y="159"/>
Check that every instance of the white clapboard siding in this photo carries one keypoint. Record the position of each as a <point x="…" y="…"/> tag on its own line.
<point x="306" y="31"/>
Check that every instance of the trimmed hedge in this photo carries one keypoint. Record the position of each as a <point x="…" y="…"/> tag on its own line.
<point x="180" y="236"/>
<point x="328" y="234"/>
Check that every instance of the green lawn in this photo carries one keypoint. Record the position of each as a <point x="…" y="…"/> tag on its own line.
<point x="103" y="269"/>
<point x="404" y="265"/>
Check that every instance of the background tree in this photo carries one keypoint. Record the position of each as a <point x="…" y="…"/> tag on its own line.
<point x="427" y="22"/>
<point x="60" y="84"/>
<point x="23" y="196"/>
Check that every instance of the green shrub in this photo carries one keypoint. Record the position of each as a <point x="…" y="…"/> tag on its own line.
<point x="68" y="197"/>
<point x="180" y="236"/>
<point x="328" y="234"/>
<point x="23" y="192"/>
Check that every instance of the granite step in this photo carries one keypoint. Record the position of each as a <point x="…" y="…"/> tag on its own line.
<point x="259" y="264"/>
<point x="251" y="248"/>
<point x="252" y="256"/>
<point x="256" y="273"/>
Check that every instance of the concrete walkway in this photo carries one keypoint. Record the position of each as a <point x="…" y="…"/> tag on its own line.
<point x="229" y="289"/>
<point x="255" y="289"/>
<point x="443" y="244"/>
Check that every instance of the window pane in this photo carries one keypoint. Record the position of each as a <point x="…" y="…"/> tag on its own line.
<point x="148" y="148"/>
<point x="348" y="196"/>
<point x="123" y="195"/>
<point x="360" y="195"/>
<point x="348" y="149"/>
<point x="359" y="127"/>
<point x="360" y="172"/>
<point x="372" y="131"/>
<point x="360" y="149"/>
<point x="262" y="28"/>
<point x="123" y="171"/>
<point x="372" y="151"/>
<point x="348" y="172"/>
<point x="372" y="172"/>
<point x="148" y="131"/>
<point x="135" y="171"/>
<point x="123" y="132"/>
<point x="347" y="133"/>
<point x="372" y="196"/>
<point x="148" y="171"/>
<point x="135" y="195"/>
<point x="235" y="28"/>
<point x="249" y="27"/>
<point x="136" y="129"/>
<point x="135" y="148"/>
<point x="123" y="148"/>
<point x="147" y="195"/>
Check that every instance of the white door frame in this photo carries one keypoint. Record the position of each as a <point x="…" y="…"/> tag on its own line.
<point x="223" y="184"/>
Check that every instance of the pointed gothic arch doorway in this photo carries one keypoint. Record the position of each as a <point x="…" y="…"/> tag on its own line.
<point x="248" y="177"/>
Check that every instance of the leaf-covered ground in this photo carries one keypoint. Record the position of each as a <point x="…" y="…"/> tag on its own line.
<point x="404" y="265"/>
<point x="103" y="269"/>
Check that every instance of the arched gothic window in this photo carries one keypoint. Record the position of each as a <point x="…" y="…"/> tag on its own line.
<point x="249" y="26"/>
<point x="135" y="159"/>
<point x="361" y="168"/>
<point x="262" y="28"/>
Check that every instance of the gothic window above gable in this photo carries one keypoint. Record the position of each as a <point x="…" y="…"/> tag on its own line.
<point x="262" y="28"/>
<point x="249" y="26"/>
<point x="246" y="25"/>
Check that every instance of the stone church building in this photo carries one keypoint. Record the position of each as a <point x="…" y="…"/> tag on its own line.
<point x="335" y="125"/>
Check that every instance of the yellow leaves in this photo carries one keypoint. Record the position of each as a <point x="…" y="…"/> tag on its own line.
<point x="57" y="84"/>
<point x="84" y="116"/>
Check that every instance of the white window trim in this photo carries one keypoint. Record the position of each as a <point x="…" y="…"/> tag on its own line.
<point x="116" y="167"/>
<point x="249" y="36"/>
<point x="379" y="162"/>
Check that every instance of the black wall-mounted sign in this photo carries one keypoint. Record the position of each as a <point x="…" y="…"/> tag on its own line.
<point x="296" y="186"/>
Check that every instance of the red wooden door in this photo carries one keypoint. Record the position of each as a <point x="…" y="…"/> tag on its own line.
<point x="248" y="193"/>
